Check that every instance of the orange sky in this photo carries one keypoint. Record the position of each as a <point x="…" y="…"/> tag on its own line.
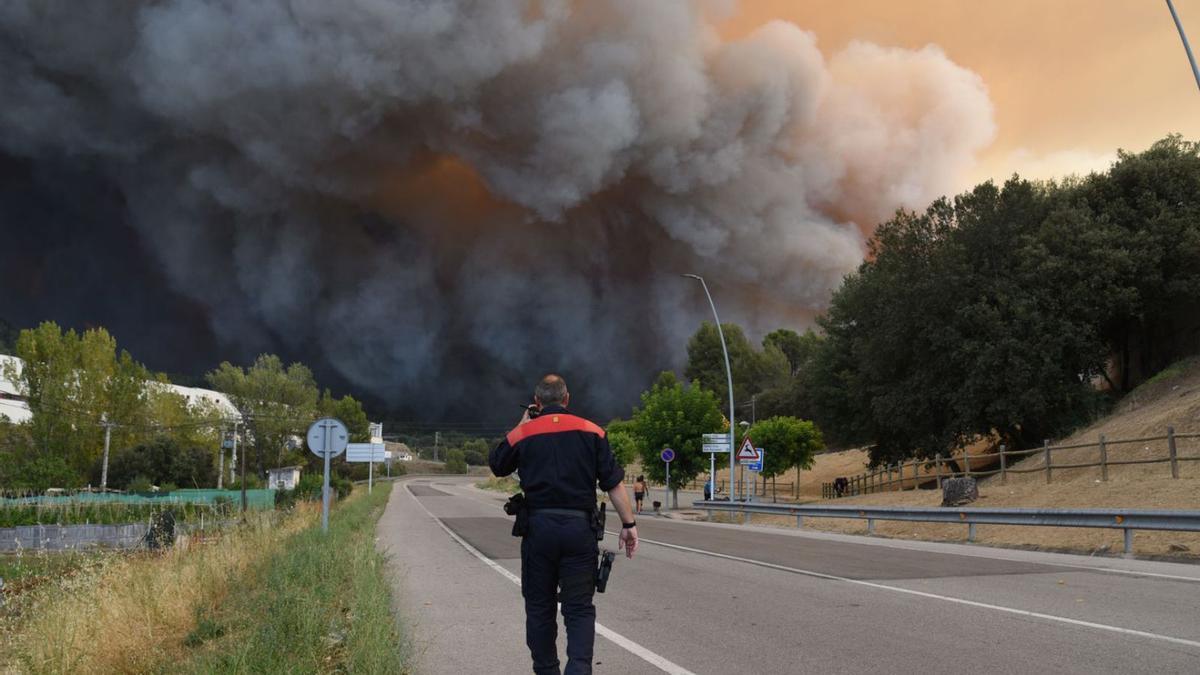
<point x="1071" y="80"/>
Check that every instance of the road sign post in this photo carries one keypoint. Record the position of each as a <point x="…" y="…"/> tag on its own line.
<point x="668" y="455"/>
<point x="328" y="438"/>
<point x="714" y="443"/>
<point x="367" y="452"/>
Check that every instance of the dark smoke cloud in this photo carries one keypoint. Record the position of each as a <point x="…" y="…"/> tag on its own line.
<point x="442" y="199"/>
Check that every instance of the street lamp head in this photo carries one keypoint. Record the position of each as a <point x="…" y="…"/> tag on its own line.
<point x="692" y="276"/>
<point x="743" y="423"/>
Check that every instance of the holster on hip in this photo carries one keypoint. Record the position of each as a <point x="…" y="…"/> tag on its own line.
<point x="598" y="518"/>
<point x="517" y="506"/>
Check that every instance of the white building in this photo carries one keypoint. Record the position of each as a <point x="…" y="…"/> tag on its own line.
<point x="12" y="403"/>
<point x="14" y="406"/>
<point x="283" y="478"/>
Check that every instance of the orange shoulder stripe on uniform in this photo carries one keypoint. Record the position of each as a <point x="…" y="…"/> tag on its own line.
<point x="552" y="423"/>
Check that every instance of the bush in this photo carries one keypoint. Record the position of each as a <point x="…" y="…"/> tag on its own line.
<point x="456" y="462"/>
<point x="139" y="484"/>
<point x="161" y="461"/>
<point x="253" y="482"/>
<point x="40" y="472"/>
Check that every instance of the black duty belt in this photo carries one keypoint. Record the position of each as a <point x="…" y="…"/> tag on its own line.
<point x="564" y="512"/>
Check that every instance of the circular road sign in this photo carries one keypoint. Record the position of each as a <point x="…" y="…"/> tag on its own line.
<point x="337" y="434"/>
<point x="668" y="455"/>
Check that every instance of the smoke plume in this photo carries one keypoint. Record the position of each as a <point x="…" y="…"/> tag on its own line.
<point x="440" y="199"/>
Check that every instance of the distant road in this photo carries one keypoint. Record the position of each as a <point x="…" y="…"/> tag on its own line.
<point x="706" y="598"/>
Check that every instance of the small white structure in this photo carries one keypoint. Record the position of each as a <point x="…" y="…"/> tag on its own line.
<point x="283" y="478"/>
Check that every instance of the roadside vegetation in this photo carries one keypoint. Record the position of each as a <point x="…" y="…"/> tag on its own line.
<point x="93" y="513"/>
<point x="506" y="485"/>
<point x="273" y="594"/>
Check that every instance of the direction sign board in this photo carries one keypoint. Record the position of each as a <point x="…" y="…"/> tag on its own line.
<point x="365" y="452"/>
<point x="747" y="453"/>
<point x="668" y="455"/>
<point x="716" y="438"/>
<point x="757" y="466"/>
<point x="337" y="437"/>
<point x="717" y="447"/>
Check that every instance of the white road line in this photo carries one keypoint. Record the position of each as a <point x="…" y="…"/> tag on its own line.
<point x="656" y="660"/>
<point x="923" y="594"/>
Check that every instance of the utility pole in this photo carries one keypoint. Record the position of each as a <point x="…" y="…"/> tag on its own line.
<point x="244" y="472"/>
<point x="436" y="437"/>
<point x="107" y="438"/>
<point x="233" y="460"/>
<point x="221" y="457"/>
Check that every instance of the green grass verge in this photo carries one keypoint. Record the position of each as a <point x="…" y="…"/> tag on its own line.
<point x="321" y="604"/>
<point x="506" y="484"/>
<point x="78" y="513"/>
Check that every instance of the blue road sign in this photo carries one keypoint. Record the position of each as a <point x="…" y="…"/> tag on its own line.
<point x="757" y="466"/>
<point x="668" y="455"/>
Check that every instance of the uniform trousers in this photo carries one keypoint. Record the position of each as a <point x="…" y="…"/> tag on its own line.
<point x="558" y="564"/>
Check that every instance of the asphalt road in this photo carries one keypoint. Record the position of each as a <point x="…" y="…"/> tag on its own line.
<point x="707" y="598"/>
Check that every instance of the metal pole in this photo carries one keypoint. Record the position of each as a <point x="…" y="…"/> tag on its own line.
<point x="325" y="488"/>
<point x="1186" y="46"/>
<point x="221" y="460"/>
<point x="712" y="472"/>
<point x="667" y="495"/>
<point x="437" y="435"/>
<point x="370" y="476"/>
<point x="104" y="469"/>
<point x="233" y="458"/>
<point x="728" y="371"/>
<point x="243" y="477"/>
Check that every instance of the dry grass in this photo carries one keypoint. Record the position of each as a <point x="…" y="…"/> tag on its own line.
<point x="132" y="613"/>
<point x="506" y="484"/>
<point x="1132" y="493"/>
<point x="1170" y="399"/>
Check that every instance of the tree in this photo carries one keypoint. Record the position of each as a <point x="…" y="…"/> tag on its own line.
<point x="456" y="462"/>
<point x="672" y="415"/>
<point x="72" y="383"/>
<point x="788" y="443"/>
<point x="475" y="451"/>
<point x="350" y="412"/>
<point x="623" y="439"/>
<point x="276" y="404"/>
<point x="162" y="461"/>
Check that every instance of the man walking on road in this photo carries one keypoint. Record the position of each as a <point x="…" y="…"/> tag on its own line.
<point x="561" y="459"/>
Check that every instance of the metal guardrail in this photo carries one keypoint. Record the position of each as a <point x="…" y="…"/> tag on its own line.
<point x="1127" y="520"/>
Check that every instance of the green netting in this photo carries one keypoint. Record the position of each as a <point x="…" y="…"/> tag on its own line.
<point x="255" y="499"/>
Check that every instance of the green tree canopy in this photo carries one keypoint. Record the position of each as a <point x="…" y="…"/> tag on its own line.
<point x="788" y="443"/>
<point x="276" y="404"/>
<point x="623" y="439"/>
<point x="675" y="416"/>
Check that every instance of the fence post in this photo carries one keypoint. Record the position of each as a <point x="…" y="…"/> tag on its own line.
<point x="1171" y="450"/>
<point x="966" y="463"/>
<point x="1103" y="459"/>
<point x="1003" y="466"/>
<point x="937" y="468"/>
<point x="900" y="485"/>
<point x="1046" y="450"/>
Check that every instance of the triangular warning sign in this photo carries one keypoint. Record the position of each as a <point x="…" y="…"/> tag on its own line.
<point x="747" y="451"/>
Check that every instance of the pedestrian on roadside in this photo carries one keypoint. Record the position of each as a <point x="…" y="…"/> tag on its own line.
<point x="708" y="489"/>
<point x="639" y="491"/>
<point x="562" y="458"/>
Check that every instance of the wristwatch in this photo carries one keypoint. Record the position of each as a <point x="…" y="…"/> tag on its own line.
<point x="627" y="526"/>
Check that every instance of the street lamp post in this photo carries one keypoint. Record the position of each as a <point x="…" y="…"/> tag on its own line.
<point x="1186" y="46"/>
<point x="729" y="379"/>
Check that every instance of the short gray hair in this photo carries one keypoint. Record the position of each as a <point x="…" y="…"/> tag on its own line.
<point x="552" y="390"/>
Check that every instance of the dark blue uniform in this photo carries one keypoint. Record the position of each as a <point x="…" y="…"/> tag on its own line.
<point x="561" y="459"/>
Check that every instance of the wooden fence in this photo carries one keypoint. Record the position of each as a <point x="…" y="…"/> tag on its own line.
<point x="893" y="477"/>
<point x="765" y="487"/>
